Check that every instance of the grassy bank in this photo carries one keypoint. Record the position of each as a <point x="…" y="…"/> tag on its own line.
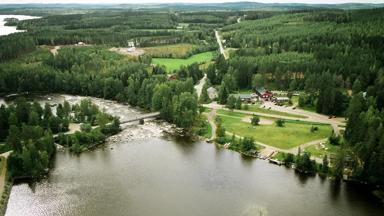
<point x="319" y="150"/>
<point x="5" y="185"/>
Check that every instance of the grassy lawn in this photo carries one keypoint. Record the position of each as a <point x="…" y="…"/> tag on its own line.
<point x="257" y="108"/>
<point x="207" y="110"/>
<point x="295" y="100"/>
<point x="293" y="134"/>
<point x="279" y="156"/>
<point x="208" y="132"/>
<point x="319" y="151"/>
<point x="170" y="51"/>
<point x="172" y="64"/>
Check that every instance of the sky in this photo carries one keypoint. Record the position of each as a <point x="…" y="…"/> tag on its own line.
<point x="184" y="1"/>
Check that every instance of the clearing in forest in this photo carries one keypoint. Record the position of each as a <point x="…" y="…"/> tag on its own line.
<point x="172" y="64"/>
<point x="170" y="51"/>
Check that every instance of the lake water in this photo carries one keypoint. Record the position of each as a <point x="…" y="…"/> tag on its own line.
<point x="140" y="172"/>
<point x="6" y="30"/>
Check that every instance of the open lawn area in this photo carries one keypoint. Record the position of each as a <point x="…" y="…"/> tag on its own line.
<point x="293" y="134"/>
<point x="258" y="108"/>
<point x="172" y="64"/>
<point x="170" y="51"/>
<point x="319" y="150"/>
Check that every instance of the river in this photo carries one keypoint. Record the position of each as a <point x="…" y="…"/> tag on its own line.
<point x="6" y="30"/>
<point x="142" y="172"/>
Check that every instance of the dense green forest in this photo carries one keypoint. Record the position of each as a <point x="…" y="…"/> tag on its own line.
<point x="27" y="129"/>
<point x="319" y="52"/>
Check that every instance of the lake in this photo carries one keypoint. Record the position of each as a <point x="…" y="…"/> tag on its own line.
<point x="6" y="30"/>
<point x="143" y="172"/>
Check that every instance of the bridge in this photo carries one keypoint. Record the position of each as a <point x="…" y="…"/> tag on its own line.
<point x="141" y="117"/>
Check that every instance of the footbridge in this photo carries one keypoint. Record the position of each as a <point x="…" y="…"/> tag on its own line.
<point x="141" y="117"/>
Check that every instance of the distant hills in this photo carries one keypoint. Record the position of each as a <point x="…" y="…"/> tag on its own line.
<point x="202" y="6"/>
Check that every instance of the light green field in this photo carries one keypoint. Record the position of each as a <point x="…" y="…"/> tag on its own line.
<point x="172" y="64"/>
<point x="319" y="151"/>
<point x="293" y="134"/>
<point x="257" y="108"/>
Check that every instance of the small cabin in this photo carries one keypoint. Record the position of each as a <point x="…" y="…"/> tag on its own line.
<point x="212" y="93"/>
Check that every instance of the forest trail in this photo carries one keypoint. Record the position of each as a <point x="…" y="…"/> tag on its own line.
<point x="199" y="86"/>
<point x="222" y="51"/>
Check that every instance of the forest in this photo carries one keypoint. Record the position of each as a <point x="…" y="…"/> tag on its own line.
<point x="28" y="129"/>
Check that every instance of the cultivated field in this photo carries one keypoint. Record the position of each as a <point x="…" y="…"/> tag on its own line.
<point x="172" y="64"/>
<point x="170" y="51"/>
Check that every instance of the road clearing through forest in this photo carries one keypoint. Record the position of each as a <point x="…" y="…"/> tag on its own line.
<point x="222" y="51"/>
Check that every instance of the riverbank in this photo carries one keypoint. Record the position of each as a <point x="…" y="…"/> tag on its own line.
<point x="5" y="185"/>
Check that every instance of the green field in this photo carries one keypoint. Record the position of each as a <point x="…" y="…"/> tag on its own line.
<point x="257" y="108"/>
<point x="293" y="134"/>
<point x="319" y="151"/>
<point x="172" y="64"/>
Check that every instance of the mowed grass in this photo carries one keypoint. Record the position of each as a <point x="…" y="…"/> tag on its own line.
<point x="319" y="151"/>
<point x="170" y="51"/>
<point x="293" y="134"/>
<point x="172" y="64"/>
<point x="257" y="108"/>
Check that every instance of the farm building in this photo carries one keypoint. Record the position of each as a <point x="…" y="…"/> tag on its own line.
<point x="264" y="94"/>
<point x="249" y="98"/>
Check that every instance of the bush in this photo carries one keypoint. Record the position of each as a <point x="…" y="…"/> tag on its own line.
<point x="289" y="158"/>
<point x="255" y="120"/>
<point x="314" y="129"/>
<point x="280" y="123"/>
<point x="334" y="140"/>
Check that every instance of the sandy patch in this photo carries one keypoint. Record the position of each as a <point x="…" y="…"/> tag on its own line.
<point x="73" y="127"/>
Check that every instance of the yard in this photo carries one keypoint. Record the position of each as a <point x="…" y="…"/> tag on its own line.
<point x="293" y="134"/>
<point x="172" y="64"/>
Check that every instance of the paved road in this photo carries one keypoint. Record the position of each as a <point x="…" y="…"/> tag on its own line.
<point x="222" y="51"/>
